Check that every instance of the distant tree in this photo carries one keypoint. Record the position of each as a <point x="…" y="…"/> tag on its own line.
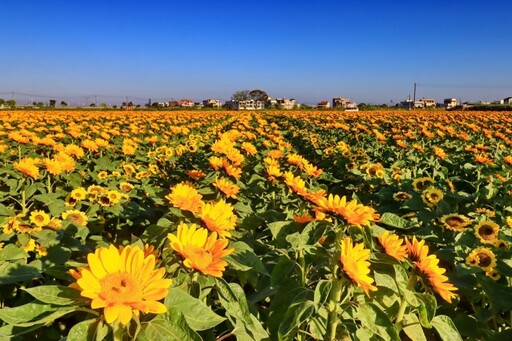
<point x="2" y="101"/>
<point x="52" y="103"/>
<point x="92" y="105"/>
<point x="114" y="106"/>
<point x="130" y="104"/>
<point x="103" y="105"/>
<point x="258" y="95"/>
<point x="154" y="105"/>
<point x="10" y="103"/>
<point x="137" y="106"/>
<point x="39" y="104"/>
<point x="63" y="104"/>
<point x="242" y="95"/>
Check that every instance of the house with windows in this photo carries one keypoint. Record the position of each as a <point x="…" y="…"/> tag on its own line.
<point x="285" y="103"/>
<point x="186" y="103"/>
<point x="211" y="103"/>
<point x="248" y="104"/>
<point x="323" y="105"/>
<point x="506" y="100"/>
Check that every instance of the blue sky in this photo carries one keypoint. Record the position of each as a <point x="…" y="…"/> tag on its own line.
<point x="370" y="51"/>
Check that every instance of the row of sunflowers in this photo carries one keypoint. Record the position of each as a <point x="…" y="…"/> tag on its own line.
<point x="255" y="226"/>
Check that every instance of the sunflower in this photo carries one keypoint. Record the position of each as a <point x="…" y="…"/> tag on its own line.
<point x="249" y="148"/>
<point x="295" y="183"/>
<point x="216" y="162"/>
<point x="422" y="184"/>
<point x="427" y="266"/>
<point x="218" y="217"/>
<point x="393" y="245"/>
<point x="66" y="162"/>
<point x="94" y="191"/>
<point x="74" y="150"/>
<point x="39" y="218"/>
<point x="432" y="196"/>
<point x="487" y="231"/>
<point x="185" y="197"/>
<point x="200" y="251"/>
<point x="102" y="175"/>
<point x="54" y="224"/>
<point x="227" y="187"/>
<point x="401" y="196"/>
<point x="78" y="193"/>
<point x="52" y="166"/>
<point x="196" y="174"/>
<point x="76" y="217"/>
<point x="455" y="222"/>
<point x="123" y="283"/>
<point x="493" y="274"/>
<point x="232" y="170"/>
<point x="481" y="257"/>
<point x="125" y="187"/>
<point x="354" y="260"/>
<point x="28" y="167"/>
<point x="354" y="213"/>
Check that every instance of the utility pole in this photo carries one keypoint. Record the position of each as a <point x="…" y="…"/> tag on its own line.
<point x="414" y="97"/>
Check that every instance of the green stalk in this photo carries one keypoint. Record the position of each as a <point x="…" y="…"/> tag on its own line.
<point x="118" y="331"/>
<point x="302" y="266"/>
<point x="332" y="307"/>
<point x="403" y="302"/>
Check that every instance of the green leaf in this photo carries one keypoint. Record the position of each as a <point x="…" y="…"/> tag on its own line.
<point x="279" y="227"/>
<point x="232" y="298"/>
<point x="377" y="321"/>
<point x="283" y="271"/>
<point x="244" y="259"/>
<point x="175" y="328"/>
<point x="15" y="273"/>
<point x="56" y="294"/>
<point x="6" y="211"/>
<point x="12" y="252"/>
<point x="197" y="314"/>
<point x="499" y="294"/>
<point x="9" y="331"/>
<point x="426" y="309"/>
<point x="81" y="331"/>
<point x="412" y="328"/>
<point x="446" y="328"/>
<point x="33" y="313"/>
<point x="296" y="314"/>
<point x="395" y="221"/>
<point x="322" y="290"/>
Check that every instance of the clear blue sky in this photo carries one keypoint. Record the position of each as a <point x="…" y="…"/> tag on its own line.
<point x="370" y="51"/>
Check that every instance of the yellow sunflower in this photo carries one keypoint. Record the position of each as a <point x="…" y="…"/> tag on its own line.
<point x="218" y="217"/>
<point x="401" y="196"/>
<point x="76" y="217"/>
<point x="28" y="167"/>
<point x="428" y="267"/>
<point x="422" y="183"/>
<point x="185" y="197"/>
<point x="487" y="231"/>
<point x="393" y="245"/>
<point x="455" y="222"/>
<point x="78" y="193"/>
<point x="200" y="251"/>
<point x="481" y="257"/>
<point x="354" y="260"/>
<point x="39" y="218"/>
<point x="229" y="189"/>
<point x="432" y="196"/>
<point x="123" y="283"/>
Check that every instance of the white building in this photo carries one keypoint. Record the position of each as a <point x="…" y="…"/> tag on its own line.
<point x="211" y="103"/>
<point x="286" y="103"/>
<point x="450" y="103"/>
<point x="249" y="104"/>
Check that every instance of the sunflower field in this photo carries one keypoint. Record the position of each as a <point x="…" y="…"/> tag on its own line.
<point x="383" y="225"/>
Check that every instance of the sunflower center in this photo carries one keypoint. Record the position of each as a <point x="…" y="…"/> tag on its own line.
<point x="484" y="260"/>
<point x="486" y="232"/>
<point x="454" y="221"/>
<point x="120" y="288"/>
<point x="39" y="218"/>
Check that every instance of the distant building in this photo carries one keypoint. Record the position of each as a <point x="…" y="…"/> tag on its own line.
<point x="425" y="103"/>
<point x="285" y="103"/>
<point x="339" y="102"/>
<point x="211" y="103"/>
<point x="186" y="103"/>
<point x="407" y="104"/>
<point x="249" y="104"/>
<point x="507" y="100"/>
<point x="450" y="103"/>
<point x="344" y="103"/>
<point x="323" y="105"/>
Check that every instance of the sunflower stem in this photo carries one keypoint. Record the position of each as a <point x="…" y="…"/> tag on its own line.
<point x="118" y="331"/>
<point x="302" y="266"/>
<point x="334" y="302"/>
<point x="403" y="302"/>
